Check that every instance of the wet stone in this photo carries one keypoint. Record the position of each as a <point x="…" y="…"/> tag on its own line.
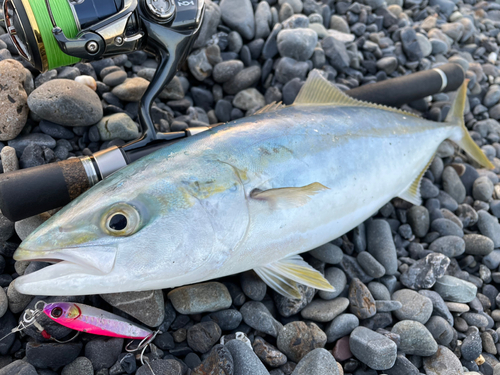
<point x="202" y="336"/>
<point x="267" y="353"/>
<point x="318" y="362"/>
<point x="415" y="306"/>
<point x="372" y="348"/>
<point x="415" y="338"/>
<point x="453" y="289"/>
<point x="325" y="311"/>
<point x="218" y="361"/>
<point x="257" y="316"/>
<point x="199" y="298"/>
<point x="341" y="326"/>
<point x="296" y="339"/>
<point x="362" y="302"/>
<point x="147" y="306"/>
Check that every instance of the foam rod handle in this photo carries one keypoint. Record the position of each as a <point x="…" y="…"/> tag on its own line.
<point x="31" y="191"/>
<point x="397" y="91"/>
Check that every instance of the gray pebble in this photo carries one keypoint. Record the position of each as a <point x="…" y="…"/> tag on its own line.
<point x="472" y="345"/>
<point x="257" y="316"/>
<point x="362" y="302"/>
<point x="443" y="362"/>
<point x="336" y="52"/>
<point x="415" y="338"/>
<point x="10" y="163"/>
<point x="387" y="306"/>
<point x="328" y="253"/>
<point x="253" y="286"/>
<point x="80" y="366"/>
<point x="336" y="277"/>
<point x="446" y="227"/>
<point x="453" y="289"/>
<point x="239" y="16"/>
<point x="440" y="329"/>
<point x="147" y="306"/>
<point x="425" y="272"/>
<point x="453" y="185"/>
<point x="244" y="79"/>
<point x="131" y="90"/>
<point x="477" y="244"/>
<point x="492" y="260"/>
<point x="381" y="245"/>
<point x="341" y="326"/>
<point x="202" y="336"/>
<point x="370" y="265"/>
<point x="415" y="306"/>
<point x="298" y="44"/>
<point x="439" y="306"/>
<point x="118" y="125"/>
<point x="66" y="102"/>
<point x="318" y="362"/>
<point x="199" y="298"/>
<point x="488" y="226"/>
<point x="451" y="246"/>
<point x="325" y="311"/>
<point x="482" y="189"/>
<point x="372" y="348"/>
<point x="226" y="70"/>
<point x="379" y="291"/>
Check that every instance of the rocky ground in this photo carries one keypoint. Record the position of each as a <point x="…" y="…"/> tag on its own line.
<point x="417" y="286"/>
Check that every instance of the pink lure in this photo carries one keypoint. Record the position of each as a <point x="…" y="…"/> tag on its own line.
<point x="89" y="319"/>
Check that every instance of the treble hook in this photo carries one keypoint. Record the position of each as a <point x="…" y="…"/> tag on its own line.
<point x="143" y="345"/>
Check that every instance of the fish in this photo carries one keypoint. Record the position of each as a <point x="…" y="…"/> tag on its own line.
<point x="89" y="319"/>
<point x="251" y="194"/>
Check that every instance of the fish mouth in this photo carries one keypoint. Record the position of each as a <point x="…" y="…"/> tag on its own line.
<point x="99" y="259"/>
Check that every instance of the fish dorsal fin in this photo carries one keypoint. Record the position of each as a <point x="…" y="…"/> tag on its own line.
<point x="284" y="275"/>
<point x="412" y="193"/>
<point x="290" y="197"/>
<point x="270" y="108"/>
<point x="317" y="90"/>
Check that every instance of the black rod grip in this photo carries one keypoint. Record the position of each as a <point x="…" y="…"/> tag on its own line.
<point x="397" y="91"/>
<point x="31" y="191"/>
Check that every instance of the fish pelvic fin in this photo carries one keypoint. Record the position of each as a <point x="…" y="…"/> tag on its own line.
<point x="285" y="274"/>
<point x="462" y="138"/>
<point x="319" y="91"/>
<point x="289" y="197"/>
<point x="412" y="193"/>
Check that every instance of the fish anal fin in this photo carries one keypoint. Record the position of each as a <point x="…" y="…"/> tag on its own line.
<point x="412" y="193"/>
<point x="319" y="91"/>
<point x="290" y="197"/>
<point x="285" y="274"/>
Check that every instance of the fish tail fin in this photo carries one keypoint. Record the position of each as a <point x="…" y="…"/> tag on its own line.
<point x="462" y="137"/>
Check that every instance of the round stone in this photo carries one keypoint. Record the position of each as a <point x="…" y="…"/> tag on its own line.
<point x="298" y="44"/>
<point x="66" y="102"/>
<point x="415" y="306"/>
<point x="199" y="298"/>
<point x="373" y="349"/>
<point x="131" y="90"/>
<point x="415" y="338"/>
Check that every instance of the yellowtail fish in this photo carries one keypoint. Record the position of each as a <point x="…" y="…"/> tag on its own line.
<point x="250" y="194"/>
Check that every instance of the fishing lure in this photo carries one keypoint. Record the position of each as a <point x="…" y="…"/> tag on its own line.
<point x="90" y="319"/>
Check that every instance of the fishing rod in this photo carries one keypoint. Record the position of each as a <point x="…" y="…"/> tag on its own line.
<point x="55" y="33"/>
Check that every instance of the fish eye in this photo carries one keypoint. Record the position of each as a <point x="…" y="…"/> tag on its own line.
<point x="56" y="312"/>
<point x="117" y="222"/>
<point x="121" y="219"/>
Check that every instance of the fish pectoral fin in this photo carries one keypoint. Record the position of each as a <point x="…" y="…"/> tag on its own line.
<point x="285" y="274"/>
<point x="290" y="197"/>
<point x="412" y="193"/>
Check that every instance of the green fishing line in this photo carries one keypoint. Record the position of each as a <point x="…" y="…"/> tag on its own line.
<point x="64" y="19"/>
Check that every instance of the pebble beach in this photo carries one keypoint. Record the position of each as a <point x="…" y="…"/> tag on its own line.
<point x="417" y="287"/>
